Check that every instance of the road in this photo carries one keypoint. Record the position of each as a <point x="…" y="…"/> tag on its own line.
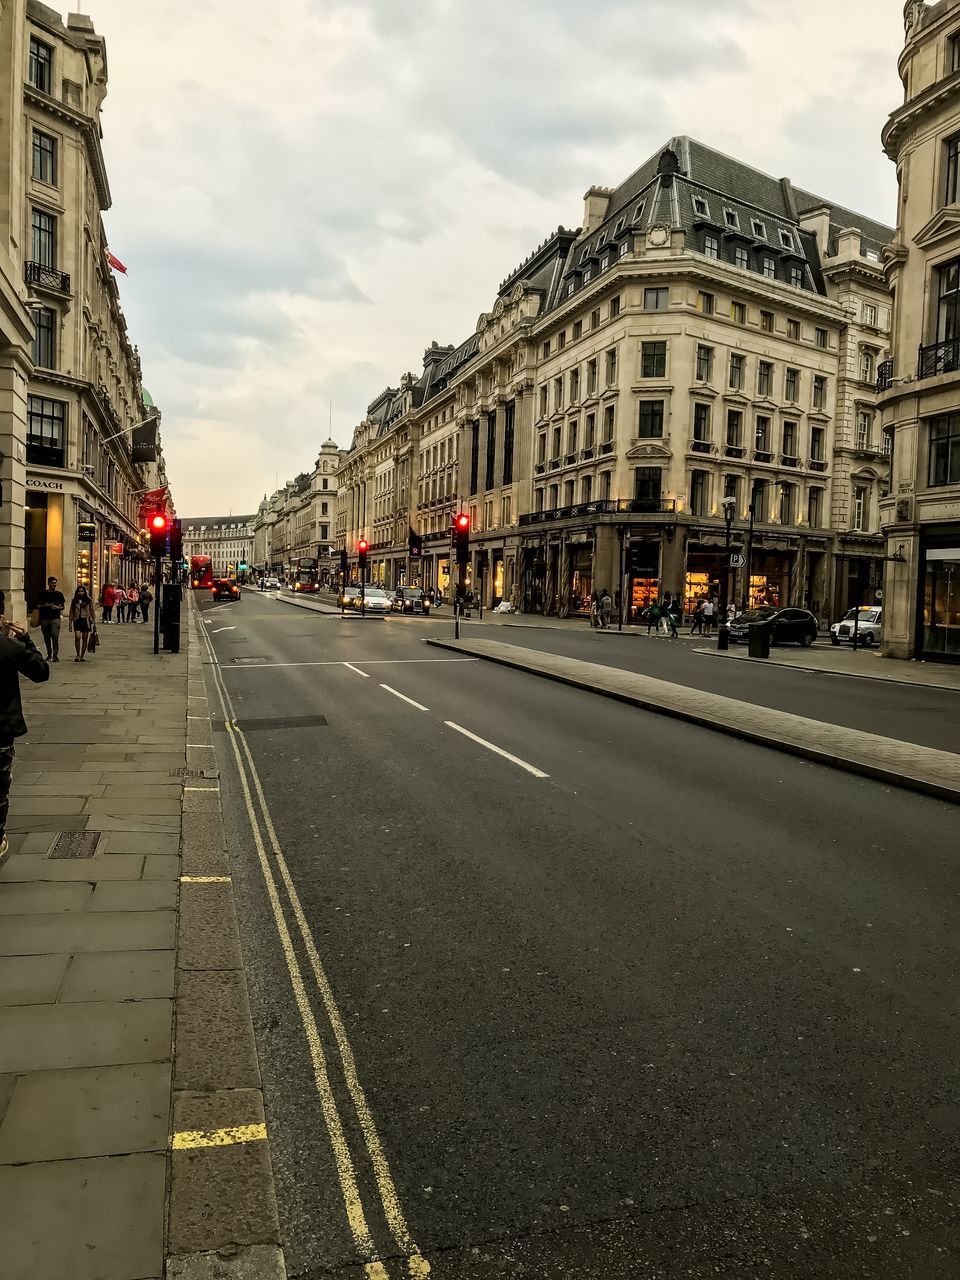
<point x="681" y="1007"/>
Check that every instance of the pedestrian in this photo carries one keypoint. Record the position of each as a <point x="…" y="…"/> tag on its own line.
<point x="120" y="602"/>
<point x="50" y="606"/>
<point x="696" y="624"/>
<point x="261" y="586"/>
<point x="709" y="613"/>
<point x="673" y="617"/>
<point x="108" y="598"/>
<point x="653" y="616"/>
<point x="82" y="619"/>
<point x="133" y="603"/>
<point x="594" y="609"/>
<point x="18" y="656"/>
<point x="606" y="609"/>
<point x="146" y="598"/>
<point x="665" y="615"/>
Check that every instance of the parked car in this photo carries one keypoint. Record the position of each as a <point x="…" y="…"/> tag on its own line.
<point x="409" y="600"/>
<point x="867" y="626"/>
<point x="787" y="626"/>
<point x="375" y="600"/>
<point x="225" y="589"/>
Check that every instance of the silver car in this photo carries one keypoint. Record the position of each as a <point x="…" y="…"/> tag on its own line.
<point x="375" y="600"/>
<point x="867" y="626"/>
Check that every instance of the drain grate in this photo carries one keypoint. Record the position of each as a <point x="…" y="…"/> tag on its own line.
<point x="248" y="662"/>
<point x="194" y="773"/>
<point x="75" y="844"/>
<point x="281" y="722"/>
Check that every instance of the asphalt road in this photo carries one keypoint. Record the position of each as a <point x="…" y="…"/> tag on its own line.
<point x="682" y="1007"/>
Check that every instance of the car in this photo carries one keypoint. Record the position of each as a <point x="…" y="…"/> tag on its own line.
<point x="787" y="626"/>
<point x="409" y="600"/>
<point x="272" y="584"/>
<point x="225" y="589"/>
<point x="375" y="600"/>
<point x="867" y="626"/>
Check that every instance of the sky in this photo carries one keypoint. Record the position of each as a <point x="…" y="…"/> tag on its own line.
<point x="307" y="193"/>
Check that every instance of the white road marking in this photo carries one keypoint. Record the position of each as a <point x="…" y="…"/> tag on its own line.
<point x="403" y="698"/>
<point x="372" y="662"/>
<point x="365" y="674"/>
<point x="537" y="773"/>
<point x="219" y="629"/>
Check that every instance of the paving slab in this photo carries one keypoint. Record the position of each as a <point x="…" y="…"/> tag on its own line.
<point x="25" y="867"/>
<point x="134" y="895"/>
<point x="120" y="975"/>
<point x="159" y="866"/>
<point x="33" y="899"/>
<point x="145" y="842"/>
<point x="83" y="1219"/>
<point x="80" y="931"/>
<point x="28" y="980"/>
<point x="50" y="1036"/>
<point x="94" y="1111"/>
<point x="258" y="1262"/>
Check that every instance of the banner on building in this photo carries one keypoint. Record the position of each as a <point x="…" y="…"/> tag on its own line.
<point x="153" y="500"/>
<point x="144" y="439"/>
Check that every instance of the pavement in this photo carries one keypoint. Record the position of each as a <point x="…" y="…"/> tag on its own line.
<point x="126" y="1048"/>
<point x="547" y="985"/>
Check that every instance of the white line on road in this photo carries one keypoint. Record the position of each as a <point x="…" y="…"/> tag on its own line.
<point x="403" y="698"/>
<point x="373" y="662"/>
<point x="351" y="667"/>
<point x="219" y="629"/>
<point x="537" y="773"/>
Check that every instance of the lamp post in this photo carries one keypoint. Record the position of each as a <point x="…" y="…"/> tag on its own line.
<point x="723" y="632"/>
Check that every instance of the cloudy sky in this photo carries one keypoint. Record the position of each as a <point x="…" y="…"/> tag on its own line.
<point x="307" y="193"/>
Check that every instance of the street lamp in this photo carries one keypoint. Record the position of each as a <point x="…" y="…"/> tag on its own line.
<point x="723" y="632"/>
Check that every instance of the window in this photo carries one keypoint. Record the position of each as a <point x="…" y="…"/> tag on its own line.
<point x="590" y="431"/>
<point x="952" y="179"/>
<point x="577" y="329"/>
<point x="44" y="238"/>
<point x="595" y="319"/>
<point x="546" y="348"/>
<point x="734" y="429"/>
<point x="759" y="230"/>
<point x="572" y="436"/>
<point x="606" y="480"/>
<point x="575" y="385"/>
<point x="701" y="207"/>
<point x="944" y="465"/>
<point x="864" y="430"/>
<point x="861" y="507"/>
<point x="870" y="312"/>
<point x="568" y="493"/>
<point x="647" y="483"/>
<point x="556" y="442"/>
<point x="762" y="434"/>
<point x="817" y="437"/>
<point x="490" y="478"/>
<point x="819" y="391"/>
<point x="638" y="212"/>
<point x="699" y="492"/>
<point x="704" y="363"/>
<point x="608" y="423"/>
<point x="814" y="508"/>
<point x="586" y="489"/>
<point x="474" y="456"/>
<point x="766" y="321"/>
<point x="789" y="439"/>
<point x="557" y="393"/>
<point x="948" y="307"/>
<point x="731" y="219"/>
<point x="592" y="378"/>
<point x="614" y="307"/>
<point x="711" y="246"/>
<point x="619" y="227"/>
<point x="45" y="430"/>
<point x="731" y="489"/>
<point x="44" y="157"/>
<point x="765" y="378"/>
<point x="40" y="71"/>
<point x="656" y="299"/>
<point x="822" y="338"/>
<point x="770" y="268"/>
<point x="758" y="499"/>
<point x="624" y="248"/>
<point x="796" y="277"/>
<point x="701" y="424"/>
<point x="651" y="420"/>
<point x="788" y="503"/>
<point x="705" y="303"/>
<point x="793" y="330"/>
<point x="44" y="338"/>
<point x="653" y="360"/>
<point x="786" y="239"/>
<point x="737" y="364"/>
<point x="867" y="366"/>
<point x="561" y="339"/>
<point x="738" y="313"/>
<point x="542" y="447"/>
<point x="543" y="401"/>
<point x="953" y="54"/>
<point x="791" y="386"/>
<point x="741" y="258"/>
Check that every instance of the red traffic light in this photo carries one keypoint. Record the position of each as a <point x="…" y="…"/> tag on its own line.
<point x="462" y="523"/>
<point x="363" y="546"/>
<point x="158" y="523"/>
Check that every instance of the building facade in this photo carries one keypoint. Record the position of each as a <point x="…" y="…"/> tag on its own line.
<point x="296" y="526"/>
<point x="72" y="489"/>
<point x="920" y="383"/>
<point x="707" y="342"/>
<point x="227" y="540"/>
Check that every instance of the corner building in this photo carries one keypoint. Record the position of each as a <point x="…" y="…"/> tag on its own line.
<point x="709" y="332"/>
<point x="920" y="384"/>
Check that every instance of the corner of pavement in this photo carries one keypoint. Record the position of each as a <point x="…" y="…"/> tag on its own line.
<point x="132" y="1136"/>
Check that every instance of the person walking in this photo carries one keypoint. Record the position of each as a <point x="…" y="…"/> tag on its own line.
<point x="50" y="605"/>
<point x="133" y="603"/>
<point x="121" y="604"/>
<point x="673" y="617"/>
<point x="665" y="615"/>
<point x="709" y="613"/>
<point x="108" y="598"/>
<point x="82" y="619"/>
<point x="606" y="609"/>
<point x="696" y="623"/>
<point x="146" y="598"/>
<point x="18" y="656"/>
<point x="594" y="609"/>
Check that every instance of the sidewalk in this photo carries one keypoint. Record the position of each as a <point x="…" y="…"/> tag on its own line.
<point x="95" y="948"/>
<point x="865" y="664"/>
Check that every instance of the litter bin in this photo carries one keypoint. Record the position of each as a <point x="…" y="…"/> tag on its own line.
<point x="759" y="640"/>
<point x="172" y="596"/>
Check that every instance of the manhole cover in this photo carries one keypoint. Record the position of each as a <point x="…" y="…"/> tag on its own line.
<point x="75" y="844"/>
<point x="248" y="662"/>
<point x="281" y="722"/>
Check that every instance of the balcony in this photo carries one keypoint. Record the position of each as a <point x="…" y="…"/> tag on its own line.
<point x="701" y="446"/>
<point x="817" y="464"/>
<point x="602" y="507"/>
<point x="789" y="460"/>
<point x="733" y="451"/>
<point x="884" y="376"/>
<point x="586" y="455"/>
<point x="941" y="357"/>
<point x="42" y="277"/>
<point x="606" y="447"/>
<point x="762" y="455"/>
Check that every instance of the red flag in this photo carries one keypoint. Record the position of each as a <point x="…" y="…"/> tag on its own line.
<point x="116" y="263"/>
<point x="153" y="500"/>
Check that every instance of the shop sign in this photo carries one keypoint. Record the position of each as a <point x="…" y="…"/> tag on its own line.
<point x="48" y="486"/>
<point x="86" y="532"/>
<point x="117" y="548"/>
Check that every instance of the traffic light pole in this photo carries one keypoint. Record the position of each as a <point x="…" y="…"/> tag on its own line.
<point x="157" y="593"/>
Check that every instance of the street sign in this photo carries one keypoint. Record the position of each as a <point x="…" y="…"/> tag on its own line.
<point x="737" y="560"/>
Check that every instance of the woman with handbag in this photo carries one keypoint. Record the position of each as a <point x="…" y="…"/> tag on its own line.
<point x="82" y="619"/>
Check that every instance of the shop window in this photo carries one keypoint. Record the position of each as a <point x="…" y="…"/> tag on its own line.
<point x="941" y="601"/>
<point x="944" y="464"/>
<point x="651" y="419"/>
<point x="653" y="360"/>
<point x="699" y="492"/>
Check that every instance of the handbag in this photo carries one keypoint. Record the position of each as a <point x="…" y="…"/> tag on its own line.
<point x="94" y="641"/>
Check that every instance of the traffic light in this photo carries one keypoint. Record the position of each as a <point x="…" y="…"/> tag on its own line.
<point x="176" y="539"/>
<point x="159" y="527"/>
<point x="461" y="537"/>
<point x="363" y="546"/>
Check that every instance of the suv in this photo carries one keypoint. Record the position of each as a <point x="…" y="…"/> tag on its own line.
<point x="868" y="626"/>
<point x="225" y="589"/>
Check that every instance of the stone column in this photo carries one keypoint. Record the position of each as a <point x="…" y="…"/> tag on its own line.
<point x="14" y="369"/>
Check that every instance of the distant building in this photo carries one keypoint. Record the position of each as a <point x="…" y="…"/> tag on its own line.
<point x="297" y="524"/>
<point x="227" y="540"/>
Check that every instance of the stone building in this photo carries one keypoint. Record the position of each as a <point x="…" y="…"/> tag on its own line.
<point x="920" y="384"/>
<point x="227" y="540"/>
<point x="70" y="398"/>
<point x="296" y="527"/>
<point x="706" y="341"/>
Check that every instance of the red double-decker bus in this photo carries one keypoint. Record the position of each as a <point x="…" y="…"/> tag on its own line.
<point x="201" y="572"/>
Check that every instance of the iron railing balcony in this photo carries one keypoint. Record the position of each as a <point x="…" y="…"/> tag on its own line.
<point x="602" y="507"/>
<point x="884" y="376"/>
<point x="36" y="273"/>
<point x="939" y="357"/>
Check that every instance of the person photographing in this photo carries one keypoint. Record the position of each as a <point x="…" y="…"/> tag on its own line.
<point x="18" y="656"/>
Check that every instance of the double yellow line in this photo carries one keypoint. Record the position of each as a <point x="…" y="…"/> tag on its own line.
<point x="264" y="837"/>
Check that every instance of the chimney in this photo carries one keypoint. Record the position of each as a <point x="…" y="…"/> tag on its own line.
<point x="595" y="205"/>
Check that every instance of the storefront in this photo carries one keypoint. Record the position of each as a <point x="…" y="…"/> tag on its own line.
<point x="580" y="584"/>
<point x="939" y="606"/>
<point x="643" y="574"/>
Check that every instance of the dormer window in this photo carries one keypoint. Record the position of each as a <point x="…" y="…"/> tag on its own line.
<point x="638" y="212"/>
<point x="731" y="218"/>
<point x="786" y="239"/>
<point x="759" y="230"/>
<point x="602" y="241"/>
<point x="701" y="207"/>
<point x="619" y="227"/>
